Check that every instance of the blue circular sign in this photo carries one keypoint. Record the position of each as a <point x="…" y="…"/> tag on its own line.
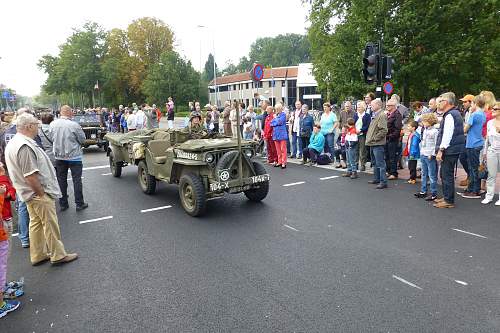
<point x="258" y="72"/>
<point x="388" y="88"/>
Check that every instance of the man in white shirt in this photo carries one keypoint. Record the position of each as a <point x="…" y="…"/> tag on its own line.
<point x="296" y="142"/>
<point x="131" y="124"/>
<point x="140" y="119"/>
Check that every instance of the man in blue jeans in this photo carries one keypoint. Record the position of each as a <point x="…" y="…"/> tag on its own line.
<point x="450" y="143"/>
<point x="474" y="144"/>
<point x="376" y="140"/>
<point x="68" y="138"/>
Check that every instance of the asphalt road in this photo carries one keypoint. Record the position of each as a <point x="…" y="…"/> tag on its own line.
<point x="317" y="255"/>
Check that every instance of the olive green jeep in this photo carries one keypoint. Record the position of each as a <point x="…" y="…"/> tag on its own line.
<point x="203" y="168"/>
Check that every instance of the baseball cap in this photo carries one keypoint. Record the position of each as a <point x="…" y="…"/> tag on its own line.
<point x="468" y="98"/>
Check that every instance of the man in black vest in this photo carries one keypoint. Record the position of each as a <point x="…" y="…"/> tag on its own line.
<point x="450" y="143"/>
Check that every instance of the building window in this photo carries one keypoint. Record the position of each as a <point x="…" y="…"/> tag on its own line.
<point x="258" y="84"/>
<point x="247" y="88"/>
<point x="223" y="88"/>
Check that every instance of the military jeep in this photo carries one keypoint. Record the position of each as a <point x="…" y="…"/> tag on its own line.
<point x="203" y="168"/>
<point x="93" y="129"/>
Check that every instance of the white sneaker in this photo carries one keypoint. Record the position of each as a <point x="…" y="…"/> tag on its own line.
<point x="497" y="203"/>
<point x="487" y="201"/>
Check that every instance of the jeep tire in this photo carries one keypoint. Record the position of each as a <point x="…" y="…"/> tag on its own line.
<point x="146" y="181"/>
<point x="258" y="194"/>
<point x="116" y="167"/>
<point x="192" y="194"/>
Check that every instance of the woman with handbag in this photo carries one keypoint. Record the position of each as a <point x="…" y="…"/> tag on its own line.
<point x="491" y="153"/>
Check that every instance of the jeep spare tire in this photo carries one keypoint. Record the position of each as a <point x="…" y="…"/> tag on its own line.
<point x="192" y="194"/>
<point x="258" y="194"/>
<point x="227" y="162"/>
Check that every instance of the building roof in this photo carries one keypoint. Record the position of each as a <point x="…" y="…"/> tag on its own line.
<point x="269" y="73"/>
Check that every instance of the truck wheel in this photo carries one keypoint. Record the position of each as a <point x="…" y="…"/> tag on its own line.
<point x="192" y="194"/>
<point x="116" y="167"/>
<point x="147" y="182"/>
<point x="258" y="194"/>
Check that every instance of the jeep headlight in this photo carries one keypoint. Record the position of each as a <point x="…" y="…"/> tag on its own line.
<point x="209" y="158"/>
<point x="248" y="153"/>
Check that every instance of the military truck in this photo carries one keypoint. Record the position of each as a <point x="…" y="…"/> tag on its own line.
<point x="203" y="168"/>
<point x="93" y="129"/>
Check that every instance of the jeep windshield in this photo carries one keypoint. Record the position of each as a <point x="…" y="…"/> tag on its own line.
<point x="86" y="119"/>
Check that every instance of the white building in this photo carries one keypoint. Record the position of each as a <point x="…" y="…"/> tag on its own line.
<point x="282" y="84"/>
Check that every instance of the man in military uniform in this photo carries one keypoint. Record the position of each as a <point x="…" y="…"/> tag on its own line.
<point x="195" y="128"/>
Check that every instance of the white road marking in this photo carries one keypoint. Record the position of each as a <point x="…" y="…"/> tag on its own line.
<point x="96" y="167"/>
<point x="329" y="177"/>
<point x="215" y="198"/>
<point x="291" y="228"/>
<point x="406" y="282"/>
<point x="95" y="220"/>
<point x="292" y="184"/>
<point x="462" y="283"/>
<point x="106" y="174"/>
<point x="470" y="233"/>
<point x="15" y="235"/>
<point x="156" y="208"/>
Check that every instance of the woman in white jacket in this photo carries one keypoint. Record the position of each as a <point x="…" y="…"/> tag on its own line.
<point x="491" y="153"/>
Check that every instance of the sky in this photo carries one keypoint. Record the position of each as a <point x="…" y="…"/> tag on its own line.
<point x="35" y="28"/>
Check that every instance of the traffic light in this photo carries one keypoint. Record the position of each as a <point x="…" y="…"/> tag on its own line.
<point x="370" y="63"/>
<point x="387" y="67"/>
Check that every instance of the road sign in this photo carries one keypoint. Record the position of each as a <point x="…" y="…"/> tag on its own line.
<point x="257" y="72"/>
<point x="6" y="94"/>
<point x="315" y="96"/>
<point x="388" y="88"/>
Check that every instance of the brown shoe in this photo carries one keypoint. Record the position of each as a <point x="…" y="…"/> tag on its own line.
<point x="39" y="262"/>
<point x="69" y="258"/>
<point x="464" y="182"/>
<point x="444" y="204"/>
<point x="438" y="200"/>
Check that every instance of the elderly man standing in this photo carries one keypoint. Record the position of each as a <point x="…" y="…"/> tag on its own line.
<point x="450" y="143"/>
<point x="68" y="138"/>
<point x="376" y="139"/>
<point x="34" y="178"/>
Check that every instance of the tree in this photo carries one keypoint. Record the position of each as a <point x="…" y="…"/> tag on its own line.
<point x="172" y="76"/>
<point x="282" y="50"/>
<point x="149" y="38"/>
<point x="209" y="68"/>
<point x="119" y="69"/>
<point x="422" y="37"/>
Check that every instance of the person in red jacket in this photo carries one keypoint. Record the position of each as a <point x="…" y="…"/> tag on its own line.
<point x="272" y="156"/>
<point x="10" y="194"/>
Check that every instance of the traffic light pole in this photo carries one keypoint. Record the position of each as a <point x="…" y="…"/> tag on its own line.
<point x="378" y="89"/>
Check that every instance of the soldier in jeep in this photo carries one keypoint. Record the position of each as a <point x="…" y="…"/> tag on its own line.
<point x="195" y="128"/>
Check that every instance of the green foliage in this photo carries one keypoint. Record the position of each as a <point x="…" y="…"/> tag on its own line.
<point x="208" y="73"/>
<point x="172" y="77"/>
<point x="279" y="51"/>
<point x="438" y="45"/>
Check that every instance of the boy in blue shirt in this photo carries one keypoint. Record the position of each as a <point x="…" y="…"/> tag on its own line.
<point x="473" y="146"/>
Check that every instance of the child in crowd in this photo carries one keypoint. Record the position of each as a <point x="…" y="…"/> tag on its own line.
<point x="351" y="140"/>
<point x="9" y="196"/>
<point x="6" y="306"/>
<point x="412" y="150"/>
<point x="428" y="157"/>
<point x="340" y="149"/>
<point x="248" y="128"/>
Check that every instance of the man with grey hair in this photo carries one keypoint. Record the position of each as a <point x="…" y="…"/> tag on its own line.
<point x="450" y="143"/>
<point x="35" y="181"/>
<point x="68" y="138"/>
<point x="22" y="210"/>
<point x="376" y="140"/>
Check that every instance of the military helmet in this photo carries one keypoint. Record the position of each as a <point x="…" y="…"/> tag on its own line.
<point x="194" y="114"/>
